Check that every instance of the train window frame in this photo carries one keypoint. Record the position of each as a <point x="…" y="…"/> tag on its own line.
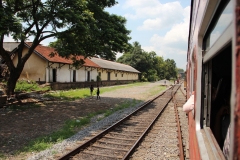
<point x="222" y="5"/>
<point x="225" y="40"/>
<point x="207" y="56"/>
<point x="208" y="106"/>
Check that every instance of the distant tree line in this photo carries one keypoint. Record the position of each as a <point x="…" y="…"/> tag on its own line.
<point x="151" y="66"/>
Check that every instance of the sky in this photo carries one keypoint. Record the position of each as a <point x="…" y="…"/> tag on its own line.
<point x="158" y="25"/>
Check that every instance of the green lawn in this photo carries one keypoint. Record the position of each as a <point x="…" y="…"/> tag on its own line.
<point x="73" y="94"/>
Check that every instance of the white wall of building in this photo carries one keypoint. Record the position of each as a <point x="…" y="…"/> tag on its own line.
<point x="63" y="74"/>
<point x="81" y="76"/>
<point x="94" y="74"/>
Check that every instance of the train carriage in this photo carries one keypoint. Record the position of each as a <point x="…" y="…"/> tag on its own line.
<point x="213" y="76"/>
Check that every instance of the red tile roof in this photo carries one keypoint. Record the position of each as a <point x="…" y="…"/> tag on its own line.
<point x="45" y="52"/>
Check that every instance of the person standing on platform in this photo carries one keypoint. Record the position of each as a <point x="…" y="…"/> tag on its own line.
<point x="98" y="92"/>
<point x="91" y="90"/>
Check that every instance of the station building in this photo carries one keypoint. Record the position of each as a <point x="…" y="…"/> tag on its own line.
<point x="43" y="68"/>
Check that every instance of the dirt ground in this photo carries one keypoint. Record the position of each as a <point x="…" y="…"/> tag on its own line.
<point x="20" y="125"/>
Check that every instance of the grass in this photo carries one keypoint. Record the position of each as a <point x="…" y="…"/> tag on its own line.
<point x="2" y="156"/>
<point x="69" y="95"/>
<point x="74" y="94"/>
<point x="69" y="128"/>
<point x="156" y="90"/>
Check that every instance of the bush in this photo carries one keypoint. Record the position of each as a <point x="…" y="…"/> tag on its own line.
<point x="98" y="78"/>
<point x="144" y="79"/>
<point x="27" y="86"/>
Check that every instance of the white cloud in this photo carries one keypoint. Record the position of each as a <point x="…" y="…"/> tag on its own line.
<point x="151" y="24"/>
<point x="173" y="44"/>
<point x="156" y="15"/>
<point x="140" y="3"/>
<point x="177" y="34"/>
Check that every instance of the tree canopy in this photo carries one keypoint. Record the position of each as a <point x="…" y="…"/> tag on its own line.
<point x="81" y="28"/>
<point x="151" y="66"/>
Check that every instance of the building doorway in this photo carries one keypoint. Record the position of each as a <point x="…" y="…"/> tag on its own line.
<point x="74" y="75"/>
<point x="88" y="76"/>
<point x="54" y="73"/>
<point x="109" y="76"/>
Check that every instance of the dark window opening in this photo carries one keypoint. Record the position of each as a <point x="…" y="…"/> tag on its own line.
<point x="221" y="92"/>
<point x="109" y="74"/>
<point x="74" y="75"/>
<point x="216" y="94"/>
<point x="88" y="76"/>
<point x="54" y="73"/>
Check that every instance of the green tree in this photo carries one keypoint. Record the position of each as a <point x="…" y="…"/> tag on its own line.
<point x="171" y="69"/>
<point x="137" y="58"/>
<point x="181" y="73"/>
<point x="160" y="67"/>
<point x="151" y="66"/>
<point x="81" y="27"/>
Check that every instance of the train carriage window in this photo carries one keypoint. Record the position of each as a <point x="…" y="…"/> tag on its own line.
<point x="217" y="74"/>
<point x="222" y="19"/>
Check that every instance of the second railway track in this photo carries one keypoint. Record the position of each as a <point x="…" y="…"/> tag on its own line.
<point x="120" y="140"/>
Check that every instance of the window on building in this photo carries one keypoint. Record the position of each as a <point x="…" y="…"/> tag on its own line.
<point x="74" y="75"/>
<point x="54" y="75"/>
<point x="115" y="74"/>
<point x="122" y="74"/>
<point x="109" y="76"/>
<point x="88" y="76"/>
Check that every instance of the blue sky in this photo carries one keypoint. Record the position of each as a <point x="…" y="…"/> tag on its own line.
<point x="158" y="25"/>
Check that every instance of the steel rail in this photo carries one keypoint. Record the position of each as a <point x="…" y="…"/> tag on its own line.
<point x="179" y="131"/>
<point x="104" y="132"/>
<point x="130" y="152"/>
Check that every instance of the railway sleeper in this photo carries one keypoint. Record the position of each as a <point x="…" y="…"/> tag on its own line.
<point x="125" y="134"/>
<point x="128" y="130"/>
<point x="114" y="143"/>
<point x="110" y="148"/>
<point x="118" y="138"/>
<point x="102" y="155"/>
<point x="104" y="151"/>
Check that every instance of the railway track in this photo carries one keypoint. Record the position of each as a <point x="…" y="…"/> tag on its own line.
<point x="120" y="140"/>
<point x="168" y="137"/>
